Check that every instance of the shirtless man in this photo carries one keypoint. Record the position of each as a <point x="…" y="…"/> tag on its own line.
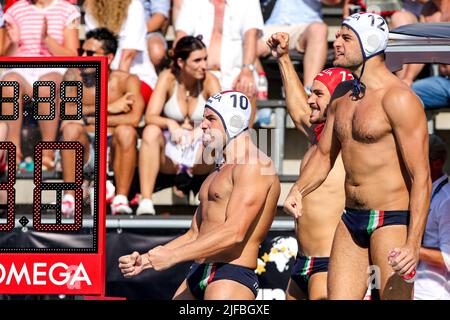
<point x="237" y="207"/>
<point x="125" y="109"/>
<point x="380" y="128"/>
<point x="323" y="207"/>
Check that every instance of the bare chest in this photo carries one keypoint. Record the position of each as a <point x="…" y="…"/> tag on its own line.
<point x="364" y="121"/>
<point x="217" y="187"/>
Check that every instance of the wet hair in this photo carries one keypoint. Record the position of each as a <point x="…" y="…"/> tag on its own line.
<point x="183" y="49"/>
<point x="108" y="39"/>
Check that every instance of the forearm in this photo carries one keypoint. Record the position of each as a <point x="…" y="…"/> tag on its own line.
<point x="432" y="257"/>
<point x="250" y="46"/>
<point x="2" y="40"/>
<point x="58" y="50"/>
<point x="207" y="245"/>
<point x="412" y="71"/>
<point x="296" y="98"/>
<point x="126" y="59"/>
<point x="10" y="47"/>
<point x="186" y="238"/>
<point x="156" y="22"/>
<point x="313" y="174"/>
<point x="419" y="205"/>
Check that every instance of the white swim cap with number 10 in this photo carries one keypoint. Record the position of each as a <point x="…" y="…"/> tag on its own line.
<point x="372" y="32"/>
<point x="233" y="108"/>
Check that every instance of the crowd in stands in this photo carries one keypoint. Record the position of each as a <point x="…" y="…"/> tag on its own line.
<point x="217" y="46"/>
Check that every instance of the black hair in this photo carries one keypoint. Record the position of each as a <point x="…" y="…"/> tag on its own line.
<point x="183" y="49"/>
<point x="108" y="39"/>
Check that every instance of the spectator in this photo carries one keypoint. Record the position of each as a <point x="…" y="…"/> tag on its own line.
<point x="396" y="12"/>
<point x="433" y="277"/>
<point x="302" y="20"/>
<point x="175" y="111"/>
<point x="125" y="109"/>
<point x="157" y="14"/>
<point x="230" y="29"/>
<point x="434" y="91"/>
<point x="127" y="19"/>
<point x="39" y="28"/>
<point x="410" y="13"/>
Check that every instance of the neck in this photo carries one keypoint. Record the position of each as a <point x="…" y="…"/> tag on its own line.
<point x="375" y="72"/>
<point x="436" y="175"/>
<point x="237" y="148"/>
<point x="190" y="83"/>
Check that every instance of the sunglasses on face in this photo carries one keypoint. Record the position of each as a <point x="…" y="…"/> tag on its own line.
<point x="89" y="53"/>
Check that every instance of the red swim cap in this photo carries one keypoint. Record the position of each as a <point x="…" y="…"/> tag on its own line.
<point x="332" y="77"/>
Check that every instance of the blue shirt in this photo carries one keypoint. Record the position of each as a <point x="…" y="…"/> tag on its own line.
<point x="290" y="12"/>
<point x="156" y="6"/>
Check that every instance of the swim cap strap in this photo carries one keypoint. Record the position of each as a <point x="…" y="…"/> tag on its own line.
<point x="357" y="82"/>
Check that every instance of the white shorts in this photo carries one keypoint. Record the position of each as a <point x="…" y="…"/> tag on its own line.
<point x="295" y="32"/>
<point x="32" y="75"/>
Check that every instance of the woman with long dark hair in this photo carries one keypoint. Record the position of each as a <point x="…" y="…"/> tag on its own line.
<point x="172" y="119"/>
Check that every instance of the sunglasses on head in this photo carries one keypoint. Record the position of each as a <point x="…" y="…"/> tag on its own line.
<point x="89" y="53"/>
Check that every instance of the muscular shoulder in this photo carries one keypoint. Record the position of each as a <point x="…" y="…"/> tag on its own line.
<point x="400" y="98"/>
<point x="125" y="79"/>
<point x="123" y="76"/>
<point x="258" y="171"/>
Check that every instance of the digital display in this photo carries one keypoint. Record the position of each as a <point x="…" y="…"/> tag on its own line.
<point x="45" y="104"/>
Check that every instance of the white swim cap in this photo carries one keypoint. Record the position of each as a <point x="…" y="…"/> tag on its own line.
<point x="372" y="32"/>
<point x="233" y="108"/>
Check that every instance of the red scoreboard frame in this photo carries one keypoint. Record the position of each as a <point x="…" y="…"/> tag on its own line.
<point x="63" y="270"/>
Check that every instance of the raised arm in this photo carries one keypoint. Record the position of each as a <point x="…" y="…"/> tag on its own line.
<point x="296" y="97"/>
<point x="316" y="170"/>
<point x="409" y="125"/>
<point x="241" y="213"/>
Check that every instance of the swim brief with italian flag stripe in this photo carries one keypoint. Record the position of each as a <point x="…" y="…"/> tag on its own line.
<point x="305" y="267"/>
<point x="362" y="223"/>
<point x="201" y="275"/>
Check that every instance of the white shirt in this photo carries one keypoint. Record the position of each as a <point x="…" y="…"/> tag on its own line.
<point x="197" y="17"/>
<point x="434" y="283"/>
<point x="132" y="36"/>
